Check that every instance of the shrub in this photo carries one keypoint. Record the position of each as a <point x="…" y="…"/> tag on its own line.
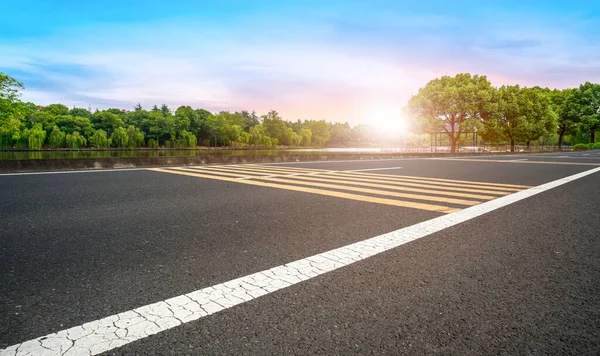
<point x="152" y="143"/>
<point x="581" y="147"/>
<point x="596" y="146"/>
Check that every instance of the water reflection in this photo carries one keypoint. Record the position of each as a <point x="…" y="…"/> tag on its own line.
<point x="9" y="155"/>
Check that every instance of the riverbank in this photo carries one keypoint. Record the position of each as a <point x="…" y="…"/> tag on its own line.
<point x="48" y="165"/>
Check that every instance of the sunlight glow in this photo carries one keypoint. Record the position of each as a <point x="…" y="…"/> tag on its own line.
<point x="387" y="119"/>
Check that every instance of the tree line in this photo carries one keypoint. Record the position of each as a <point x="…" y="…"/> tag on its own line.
<point x="26" y="125"/>
<point x="507" y="114"/>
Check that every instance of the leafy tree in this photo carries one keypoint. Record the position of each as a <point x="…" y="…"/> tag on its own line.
<point x="587" y="100"/>
<point x="164" y="109"/>
<point x="340" y="133"/>
<point x="135" y="137"/>
<point x="10" y="110"/>
<point x="452" y="105"/>
<point x="305" y="136"/>
<point x="275" y="127"/>
<point x="75" y="140"/>
<point x="107" y="121"/>
<point x="44" y="118"/>
<point x="119" y="137"/>
<point x="70" y="124"/>
<point x="56" y="138"/>
<point x="536" y="108"/>
<point x="99" y="139"/>
<point x="250" y="119"/>
<point x="563" y="104"/>
<point x="57" y="109"/>
<point x="138" y="107"/>
<point x="81" y="112"/>
<point x="35" y="136"/>
<point x="258" y="136"/>
<point x="320" y="132"/>
<point x="187" y="139"/>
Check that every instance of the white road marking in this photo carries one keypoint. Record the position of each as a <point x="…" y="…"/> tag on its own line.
<point x="522" y="159"/>
<point x="105" y="334"/>
<point x="373" y="169"/>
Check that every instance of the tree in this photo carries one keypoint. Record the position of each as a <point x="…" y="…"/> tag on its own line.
<point x="75" y="140"/>
<point x="187" y="139"/>
<point x="452" y="105"/>
<point x="305" y="136"/>
<point x="587" y="100"/>
<point x="99" y="139"/>
<point x="107" y="121"/>
<point x="10" y="110"/>
<point x="35" y="136"/>
<point x="320" y="132"/>
<point x="539" y="118"/>
<point x="564" y="106"/>
<point x="250" y="119"/>
<point x="57" y="138"/>
<point x="135" y="137"/>
<point x="340" y="133"/>
<point x="70" y="124"/>
<point x="119" y="137"/>
<point x="57" y="109"/>
<point x="81" y="112"/>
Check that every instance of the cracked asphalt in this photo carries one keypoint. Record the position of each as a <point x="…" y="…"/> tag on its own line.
<point x="115" y="249"/>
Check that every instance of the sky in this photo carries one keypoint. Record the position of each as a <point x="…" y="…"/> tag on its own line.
<point x="342" y="61"/>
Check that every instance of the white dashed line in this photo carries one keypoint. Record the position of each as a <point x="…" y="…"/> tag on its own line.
<point x="373" y="169"/>
<point x="117" y="330"/>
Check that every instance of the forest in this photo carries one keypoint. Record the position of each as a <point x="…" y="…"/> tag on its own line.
<point x="509" y="114"/>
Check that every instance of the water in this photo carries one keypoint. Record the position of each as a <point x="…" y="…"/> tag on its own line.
<point x="9" y="155"/>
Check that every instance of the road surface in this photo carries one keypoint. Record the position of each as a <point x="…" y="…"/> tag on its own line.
<point x="482" y="255"/>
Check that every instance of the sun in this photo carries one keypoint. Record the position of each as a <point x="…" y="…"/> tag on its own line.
<point x="387" y="119"/>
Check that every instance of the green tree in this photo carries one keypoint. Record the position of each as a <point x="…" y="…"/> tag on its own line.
<point x="99" y="139"/>
<point x="135" y="137"/>
<point x="452" y="105"/>
<point x="81" y="112"/>
<point x="305" y="136"/>
<point x="320" y="132"/>
<point x="539" y="118"/>
<point x="35" y="136"/>
<point x="70" y="124"/>
<point x="564" y="106"/>
<point x="187" y="139"/>
<point x="56" y="138"/>
<point x="75" y="140"/>
<point x="107" y="121"/>
<point x="119" y="137"/>
<point x="587" y="100"/>
<point x="57" y="109"/>
<point x="11" y="110"/>
<point x="340" y="134"/>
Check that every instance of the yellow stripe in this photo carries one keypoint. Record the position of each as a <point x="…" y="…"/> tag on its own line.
<point x="385" y="186"/>
<point x="403" y="177"/>
<point x="379" y="192"/>
<point x="393" y="202"/>
<point x="284" y="168"/>
<point x="431" y="184"/>
<point x="474" y="185"/>
<point x="515" y="161"/>
<point x="257" y="174"/>
<point x="348" y="180"/>
<point x="396" y="185"/>
<point x="409" y="184"/>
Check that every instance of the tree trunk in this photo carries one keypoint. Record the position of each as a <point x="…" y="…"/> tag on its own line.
<point x="561" y="134"/>
<point x="528" y="144"/>
<point x="453" y="142"/>
<point x="592" y="136"/>
<point x="512" y="145"/>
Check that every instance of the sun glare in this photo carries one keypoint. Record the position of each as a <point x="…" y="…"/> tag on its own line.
<point x="387" y="119"/>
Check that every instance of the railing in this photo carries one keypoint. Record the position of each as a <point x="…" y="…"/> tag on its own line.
<point x="483" y="148"/>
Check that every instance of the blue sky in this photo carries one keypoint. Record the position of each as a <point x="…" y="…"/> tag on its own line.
<point x="337" y="60"/>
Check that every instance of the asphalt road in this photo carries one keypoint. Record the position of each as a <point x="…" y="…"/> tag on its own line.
<point x="522" y="279"/>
